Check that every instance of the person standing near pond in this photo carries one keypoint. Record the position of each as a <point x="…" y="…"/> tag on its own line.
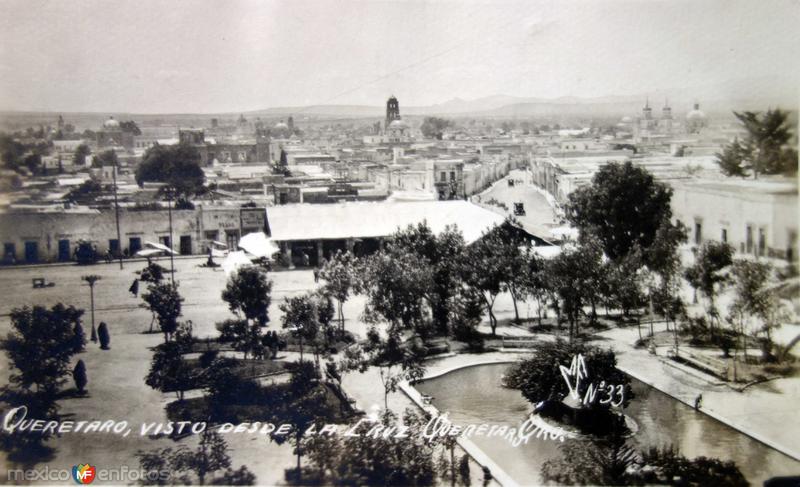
<point x="698" y="402"/>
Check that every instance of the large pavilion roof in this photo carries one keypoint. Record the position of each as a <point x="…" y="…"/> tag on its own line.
<point x="376" y="219"/>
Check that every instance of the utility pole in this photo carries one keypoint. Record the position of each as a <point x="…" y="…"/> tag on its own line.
<point x="91" y="280"/>
<point x="116" y="213"/>
<point x="171" y="246"/>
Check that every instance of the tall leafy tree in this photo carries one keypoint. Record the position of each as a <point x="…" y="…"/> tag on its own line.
<point x="442" y="254"/>
<point x="40" y="346"/>
<point x="79" y="157"/>
<point x="376" y="460"/>
<point x="176" y="165"/>
<point x="164" y="301"/>
<point x="340" y="274"/>
<point x="397" y="286"/>
<point x="624" y="208"/>
<point x="765" y="149"/>
<point x="210" y="461"/>
<point x="302" y="404"/>
<point x="707" y="273"/>
<point x="248" y="293"/>
<point x="169" y="371"/>
<point x="484" y="272"/>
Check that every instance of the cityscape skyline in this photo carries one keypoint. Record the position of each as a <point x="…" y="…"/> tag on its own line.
<point x="252" y="56"/>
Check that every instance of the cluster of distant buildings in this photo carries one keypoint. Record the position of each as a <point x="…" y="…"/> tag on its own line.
<point x="253" y="167"/>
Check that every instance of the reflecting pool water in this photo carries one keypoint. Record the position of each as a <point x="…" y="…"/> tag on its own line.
<point x="474" y="395"/>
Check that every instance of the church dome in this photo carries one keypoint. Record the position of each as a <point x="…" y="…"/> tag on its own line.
<point x="696" y="114"/>
<point x="696" y="119"/>
<point x="398" y="125"/>
<point x="111" y="124"/>
<point x="281" y="126"/>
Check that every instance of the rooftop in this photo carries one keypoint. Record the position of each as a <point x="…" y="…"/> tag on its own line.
<point x="346" y="220"/>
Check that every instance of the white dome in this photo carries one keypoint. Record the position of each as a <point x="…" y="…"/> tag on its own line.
<point x="111" y="123"/>
<point x="398" y="124"/>
<point x="281" y="126"/>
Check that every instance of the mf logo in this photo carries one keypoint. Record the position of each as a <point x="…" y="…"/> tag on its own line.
<point x="84" y="473"/>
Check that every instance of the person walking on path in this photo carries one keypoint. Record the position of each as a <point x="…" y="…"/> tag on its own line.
<point x="698" y="402"/>
<point x="134" y="289"/>
<point x="316" y="274"/>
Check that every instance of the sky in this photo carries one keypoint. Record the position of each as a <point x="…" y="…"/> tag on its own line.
<point x="193" y="56"/>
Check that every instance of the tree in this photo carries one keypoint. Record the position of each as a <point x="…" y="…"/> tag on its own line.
<point x="376" y="459"/>
<point x="576" y="277"/>
<point x="248" y="292"/>
<point x="79" y="376"/>
<point x="302" y="404"/>
<point x="164" y="302"/>
<point x="169" y="371"/>
<point x="79" y="158"/>
<point x="130" y="127"/>
<point x="309" y="318"/>
<point x="706" y="274"/>
<point x="39" y="349"/>
<point x="87" y="191"/>
<point x="511" y="256"/>
<point x="672" y="468"/>
<point x="624" y="207"/>
<point x="103" y="335"/>
<point x="176" y="165"/>
<point x="732" y="159"/>
<point x="79" y="338"/>
<point x="753" y="298"/>
<point x="339" y="274"/>
<point x="433" y="127"/>
<point x="396" y="361"/>
<point x="40" y="346"/>
<point x="765" y="149"/>
<point x="442" y="254"/>
<point x="396" y="285"/>
<point x="206" y="462"/>
<point x="106" y="158"/>
<point x="244" y="336"/>
<point x="535" y="282"/>
<point x="485" y="273"/>
<point x="598" y="462"/>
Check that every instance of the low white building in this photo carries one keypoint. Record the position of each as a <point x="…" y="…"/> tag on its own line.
<point x="756" y="217"/>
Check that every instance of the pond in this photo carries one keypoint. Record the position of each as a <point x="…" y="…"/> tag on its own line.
<point x="474" y="395"/>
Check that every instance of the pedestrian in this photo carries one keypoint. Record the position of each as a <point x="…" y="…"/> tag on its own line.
<point x="316" y="274"/>
<point x="698" y="402"/>
<point x="134" y="289"/>
<point x="306" y="260"/>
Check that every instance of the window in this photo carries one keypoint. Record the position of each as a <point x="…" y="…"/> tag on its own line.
<point x="748" y="239"/>
<point x="165" y="240"/>
<point x="698" y="232"/>
<point x="443" y="177"/>
<point x="724" y="235"/>
<point x="452" y="175"/>
<point x="790" y="253"/>
<point x="762" y="241"/>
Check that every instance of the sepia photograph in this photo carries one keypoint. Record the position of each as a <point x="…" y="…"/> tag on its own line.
<point x="473" y="243"/>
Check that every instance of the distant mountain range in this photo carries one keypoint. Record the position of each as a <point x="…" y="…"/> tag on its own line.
<point x="752" y="93"/>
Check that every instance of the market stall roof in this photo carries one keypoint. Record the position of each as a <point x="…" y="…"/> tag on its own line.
<point x="258" y="245"/>
<point x="376" y="219"/>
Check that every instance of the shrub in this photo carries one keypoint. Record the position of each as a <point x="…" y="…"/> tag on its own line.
<point x="79" y="376"/>
<point x="103" y="335"/>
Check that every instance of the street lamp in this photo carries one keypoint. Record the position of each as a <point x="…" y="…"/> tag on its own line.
<point x="91" y="279"/>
